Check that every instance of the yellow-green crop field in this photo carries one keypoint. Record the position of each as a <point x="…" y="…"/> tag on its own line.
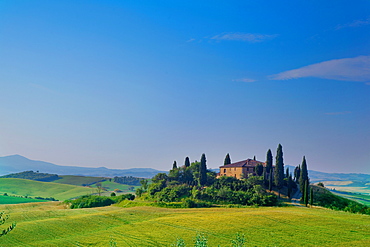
<point x="50" y="224"/>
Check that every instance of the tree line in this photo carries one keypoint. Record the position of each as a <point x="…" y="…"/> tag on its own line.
<point x="31" y="175"/>
<point x="129" y="180"/>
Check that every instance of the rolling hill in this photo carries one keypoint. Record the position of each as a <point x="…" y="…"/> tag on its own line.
<point x="24" y="187"/>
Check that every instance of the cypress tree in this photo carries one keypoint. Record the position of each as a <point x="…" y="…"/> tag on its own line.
<point x="174" y="166"/>
<point x="290" y="181"/>
<point x="270" y="181"/>
<point x="287" y="172"/>
<point x="305" y="198"/>
<point x="258" y="169"/>
<point x="279" y="169"/>
<point x="303" y="176"/>
<point x="269" y="161"/>
<point x="203" y="171"/>
<point x="227" y="160"/>
<point x="303" y="194"/>
<point x="254" y="158"/>
<point x="187" y="162"/>
<point x="297" y="172"/>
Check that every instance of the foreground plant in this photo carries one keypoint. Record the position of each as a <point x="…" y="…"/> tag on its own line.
<point x="3" y="218"/>
<point x="239" y="240"/>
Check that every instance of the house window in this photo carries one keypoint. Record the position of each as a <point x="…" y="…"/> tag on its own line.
<point x="224" y="170"/>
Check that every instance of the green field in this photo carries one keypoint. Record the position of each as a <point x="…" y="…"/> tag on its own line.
<point x="24" y="187"/>
<point x="111" y="186"/>
<point x="77" y="180"/>
<point x="354" y="190"/>
<point x="361" y="198"/>
<point x="17" y="200"/>
<point x="50" y="224"/>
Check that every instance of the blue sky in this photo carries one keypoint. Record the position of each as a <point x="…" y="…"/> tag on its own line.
<point x="126" y="84"/>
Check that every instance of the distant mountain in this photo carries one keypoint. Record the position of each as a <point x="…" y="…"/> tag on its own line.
<point x="316" y="176"/>
<point x="18" y="163"/>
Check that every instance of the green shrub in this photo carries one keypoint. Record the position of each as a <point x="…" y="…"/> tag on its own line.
<point x="90" y="202"/>
<point x="118" y="199"/>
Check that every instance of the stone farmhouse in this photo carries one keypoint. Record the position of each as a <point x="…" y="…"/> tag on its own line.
<point x="240" y="169"/>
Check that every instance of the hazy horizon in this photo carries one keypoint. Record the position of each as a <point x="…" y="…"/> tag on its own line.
<point x="125" y="84"/>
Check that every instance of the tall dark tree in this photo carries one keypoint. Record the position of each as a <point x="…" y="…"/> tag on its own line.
<point x="264" y="174"/>
<point x="227" y="160"/>
<point x="297" y="173"/>
<point x="303" y="177"/>
<point x="279" y="169"/>
<point x="258" y="169"/>
<point x="174" y="166"/>
<point x="203" y="170"/>
<point x="311" y="197"/>
<point x="268" y="161"/>
<point x="306" y="192"/>
<point x="187" y="162"/>
<point x="287" y="172"/>
<point x="270" y="181"/>
<point x="254" y="158"/>
<point x="290" y="184"/>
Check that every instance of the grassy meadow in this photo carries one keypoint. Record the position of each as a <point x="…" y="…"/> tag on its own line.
<point x="77" y="180"/>
<point x="51" y="224"/>
<point x="361" y="198"/>
<point x="17" y="200"/>
<point x="354" y="190"/>
<point x="111" y="186"/>
<point x="24" y="187"/>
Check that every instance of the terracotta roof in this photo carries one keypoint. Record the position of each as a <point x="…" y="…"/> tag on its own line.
<point x="244" y="163"/>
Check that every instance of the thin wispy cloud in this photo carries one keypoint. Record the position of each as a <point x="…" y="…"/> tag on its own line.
<point x="346" y="69"/>
<point x="337" y="113"/>
<point x="247" y="37"/>
<point x="356" y="23"/>
<point x="244" y="80"/>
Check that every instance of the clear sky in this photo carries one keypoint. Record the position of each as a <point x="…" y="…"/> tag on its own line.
<point x="125" y="84"/>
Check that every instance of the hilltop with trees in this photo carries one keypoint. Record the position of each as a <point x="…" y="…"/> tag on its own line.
<point x="31" y="175"/>
<point x="196" y="186"/>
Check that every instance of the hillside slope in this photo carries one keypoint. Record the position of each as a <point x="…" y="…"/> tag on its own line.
<point x="24" y="187"/>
